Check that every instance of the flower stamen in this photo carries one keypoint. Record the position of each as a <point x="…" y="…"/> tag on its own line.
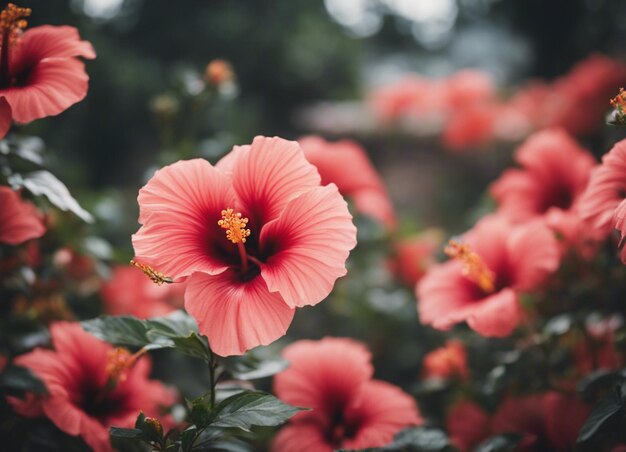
<point x="12" y="22"/>
<point x="474" y="268"/>
<point x="119" y="361"/>
<point x="235" y="226"/>
<point x="155" y="276"/>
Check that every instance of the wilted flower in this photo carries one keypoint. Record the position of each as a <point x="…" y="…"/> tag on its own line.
<point x="91" y="386"/>
<point x="256" y="236"/>
<point x="346" y="164"/>
<point x="349" y="410"/>
<point x="128" y="292"/>
<point x="492" y="267"/>
<point x="40" y="74"/>
<point x="19" y="220"/>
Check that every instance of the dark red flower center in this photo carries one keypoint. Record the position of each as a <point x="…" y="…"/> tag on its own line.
<point x="341" y="428"/>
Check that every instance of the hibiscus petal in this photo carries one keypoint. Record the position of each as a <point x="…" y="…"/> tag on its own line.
<point x="268" y="174"/>
<point x="19" y="219"/>
<point x="497" y="315"/>
<point x="52" y="86"/>
<point x="310" y="243"/>
<point x="532" y="264"/>
<point x="302" y="438"/>
<point x="6" y="117"/>
<point x="179" y="208"/>
<point x="236" y="316"/>
<point x="49" y="41"/>
<point x="322" y="375"/>
<point x="382" y="410"/>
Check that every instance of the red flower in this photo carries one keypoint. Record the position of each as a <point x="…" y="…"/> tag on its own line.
<point x="482" y="285"/>
<point x="128" y="292"/>
<point x="468" y="425"/>
<point x="39" y="72"/>
<point x="449" y="361"/>
<point x="603" y="204"/>
<point x="346" y="164"/>
<point x="555" y="172"/>
<point x="415" y="255"/>
<point x="548" y="421"/>
<point x="256" y="236"/>
<point x="349" y="409"/>
<point x="91" y="386"/>
<point x="19" y="220"/>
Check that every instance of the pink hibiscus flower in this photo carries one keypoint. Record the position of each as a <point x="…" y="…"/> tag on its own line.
<point x="128" y="292"/>
<point x="447" y="362"/>
<point x="468" y="425"/>
<point x="555" y="172"/>
<point x="19" y="220"/>
<point x="482" y="285"/>
<point x="346" y="164"/>
<point x="603" y="204"/>
<point x="39" y="72"/>
<point x="348" y="409"/>
<point x="91" y="386"/>
<point x="256" y="236"/>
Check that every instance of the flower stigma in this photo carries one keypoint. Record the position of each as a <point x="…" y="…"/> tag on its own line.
<point x="236" y="232"/>
<point x="474" y="268"/>
<point x="12" y="22"/>
<point x="155" y="276"/>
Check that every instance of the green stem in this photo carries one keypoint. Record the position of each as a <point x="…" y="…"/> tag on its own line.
<point x="212" y="377"/>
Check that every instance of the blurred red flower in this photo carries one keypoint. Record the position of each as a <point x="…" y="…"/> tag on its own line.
<point x="555" y="172"/>
<point x="91" y="386"/>
<point x="346" y="164"/>
<point x="349" y="410"/>
<point x="129" y="292"/>
<point x="40" y="74"/>
<point x="414" y="255"/>
<point x="482" y="285"/>
<point x="447" y="362"/>
<point x="546" y="421"/>
<point x="19" y="220"/>
<point x="256" y="236"/>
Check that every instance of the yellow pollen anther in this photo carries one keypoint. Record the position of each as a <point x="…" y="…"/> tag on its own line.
<point x="119" y="360"/>
<point x="619" y="101"/>
<point x="235" y="226"/>
<point x="12" y="18"/>
<point x="473" y="266"/>
<point x="156" y="277"/>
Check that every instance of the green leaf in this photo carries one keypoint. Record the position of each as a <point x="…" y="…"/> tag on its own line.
<point x="500" y="443"/>
<point x="126" y="433"/>
<point x="177" y="331"/>
<point x="416" y="439"/>
<point x="16" y="380"/>
<point x="45" y="183"/>
<point x="250" y="367"/>
<point x="250" y="408"/>
<point x="601" y="413"/>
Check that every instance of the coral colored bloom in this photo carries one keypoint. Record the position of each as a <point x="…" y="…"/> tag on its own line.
<point x="415" y="255"/>
<point x="40" y="74"/>
<point x="348" y="409"/>
<point x="482" y="285"/>
<point x="404" y="97"/>
<point x="473" y="126"/>
<point x="548" y="421"/>
<point x="346" y="164"/>
<point x="449" y="361"/>
<point x="129" y="292"/>
<point x="555" y="172"/>
<point x="256" y="236"/>
<point x="468" y="425"/>
<point x="19" y="219"/>
<point x="603" y="204"/>
<point x="91" y="386"/>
